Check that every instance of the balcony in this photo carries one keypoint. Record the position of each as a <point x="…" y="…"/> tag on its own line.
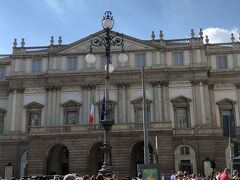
<point x="121" y="127"/>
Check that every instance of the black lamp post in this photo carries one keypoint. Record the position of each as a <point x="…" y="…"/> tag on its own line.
<point x="107" y="40"/>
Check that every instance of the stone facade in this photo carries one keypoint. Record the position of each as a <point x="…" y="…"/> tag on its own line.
<point x="45" y="99"/>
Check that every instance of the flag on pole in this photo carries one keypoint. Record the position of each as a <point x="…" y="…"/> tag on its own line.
<point x="103" y="110"/>
<point x="91" y="115"/>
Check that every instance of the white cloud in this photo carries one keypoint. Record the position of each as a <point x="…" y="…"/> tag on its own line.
<point x="219" y="35"/>
<point x="56" y="6"/>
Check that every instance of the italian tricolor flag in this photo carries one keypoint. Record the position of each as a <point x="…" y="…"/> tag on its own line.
<point x="91" y="115"/>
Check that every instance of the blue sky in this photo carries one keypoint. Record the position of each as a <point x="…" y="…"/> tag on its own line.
<point x="37" y="20"/>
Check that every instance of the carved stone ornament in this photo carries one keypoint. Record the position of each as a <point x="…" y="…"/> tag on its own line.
<point x="164" y="83"/>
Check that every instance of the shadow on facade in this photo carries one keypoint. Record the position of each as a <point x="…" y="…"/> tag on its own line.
<point x="58" y="160"/>
<point x="95" y="160"/>
<point x="137" y="156"/>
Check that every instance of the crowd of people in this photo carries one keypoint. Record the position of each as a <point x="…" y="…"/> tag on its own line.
<point x="77" y="177"/>
<point x="215" y="175"/>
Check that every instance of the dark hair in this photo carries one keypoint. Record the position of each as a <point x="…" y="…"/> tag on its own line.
<point x="140" y="175"/>
<point x="100" y="177"/>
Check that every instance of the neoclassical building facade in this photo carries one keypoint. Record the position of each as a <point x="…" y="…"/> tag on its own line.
<point x="46" y="93"/>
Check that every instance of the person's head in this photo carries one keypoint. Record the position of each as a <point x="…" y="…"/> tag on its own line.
<point x="69" y="177"/>
<point x="86" y="177"/>
<point x="180" y="175"/>
<point x="235" y="172"/>
<point x="56" y="177"/>
<point x="173" y="172"/>
<point x="213" y="174"/>
<point x="99" y="177"/>
<point x="139" y="175"/>
<point x="220" y="171"/>
<point x="227" y="171"/>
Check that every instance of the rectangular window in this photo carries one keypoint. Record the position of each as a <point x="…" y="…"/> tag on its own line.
<point x="2" y="73"/>
<point x="222" y="62"/>
<point x="72" y="63"/>
<point x="34" y="119"/>
<point x="139" y="60"/>
<point x="71" y="117"/>
<point x="178" y="58"/>
<point x="139" y="114"/>
<point x="181" y="117"/>
<point x="103" y="62"/>
<point x="36" y="65"/>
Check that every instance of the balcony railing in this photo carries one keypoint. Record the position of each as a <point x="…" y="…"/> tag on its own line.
<point x="96" y="128"/>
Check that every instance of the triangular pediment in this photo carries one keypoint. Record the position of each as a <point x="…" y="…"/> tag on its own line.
<point x="34" y="105"/>
<point x="82" y="46"/>
<point x="71" y="103"/>
<point x="140" y="99"/>
<point x="226" y="101"/>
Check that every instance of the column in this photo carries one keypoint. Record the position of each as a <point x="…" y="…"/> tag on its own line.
<point x="212" y="103"/>
<point x="124" y="103"/>
<point x="54" y="99"/>
<point x="20" y="109"/>
<point x="13" y="119"/>
<point x="238" y="101"/>
<point x="58" y="105"/>
<point x="8" y="123"/>
<point x="49" y="106"/>
<point x="196" y="102"/>
<point x="86" y="95"/>
<point x="165" y="98"/>
<point x="119" y="103"/>
<point x="159" y="103"/>
<point x="128" y="102"/>
<point x="155" y="105"/>
<point x="207" y="103"/>
<point x="202" y="101"/>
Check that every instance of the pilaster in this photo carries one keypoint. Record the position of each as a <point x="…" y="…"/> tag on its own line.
<point x="155" y="113"/>
<point x="212" y="103"/>
<point x="165" y="100"/>
<point x="196" y="102"/>
<point x="207" y="103"/>
<point x="238" y="101"/>
<point x="49" y="106"/>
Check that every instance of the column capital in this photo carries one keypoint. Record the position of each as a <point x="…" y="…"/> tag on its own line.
<point x="123" y="84"/>
<point x="20" y="90"/>
<point x="205" y="81"/>
<point x="164" y="83"/>
<point x="195" y="82"/>
<point x="88" y="86"/>
<point x="155" y="83"/>
<point x="237" y="85"/>
<point x="11" y="90"/>
<point x="211" y="84"/>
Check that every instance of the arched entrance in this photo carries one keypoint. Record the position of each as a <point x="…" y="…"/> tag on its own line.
<point x="137" y="156"/>
<point x="57" y="160"/>
<point x="95" y="158"/>
<point x="185" y="159"/>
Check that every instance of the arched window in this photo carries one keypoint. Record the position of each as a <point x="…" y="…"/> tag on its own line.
<point x="2" y="115"/>
<point x="138" y="109"/>
<point x="34" y="113"/>
<point x="181" y="106"/>
<point x="71" y="112"/>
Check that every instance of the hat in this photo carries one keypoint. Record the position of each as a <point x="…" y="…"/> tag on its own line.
<point x="180" y="173"/>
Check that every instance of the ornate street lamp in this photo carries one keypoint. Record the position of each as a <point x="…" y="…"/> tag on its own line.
<point x="107" y="40"/>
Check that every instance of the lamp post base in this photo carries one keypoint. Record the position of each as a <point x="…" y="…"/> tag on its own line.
<point x="106" y="168"/>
